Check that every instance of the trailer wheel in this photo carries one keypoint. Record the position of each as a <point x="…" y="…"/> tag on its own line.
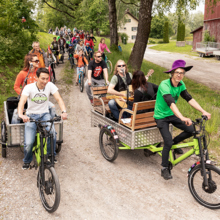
<point x="58" y="148"/>
<point x="3" y="138"/>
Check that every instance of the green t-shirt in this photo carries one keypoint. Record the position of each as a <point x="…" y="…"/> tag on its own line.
<point x="162" y="110"/>
<point x="114" y="79"/>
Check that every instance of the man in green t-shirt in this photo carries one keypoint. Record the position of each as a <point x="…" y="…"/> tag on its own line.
<point x="166" y="111"/>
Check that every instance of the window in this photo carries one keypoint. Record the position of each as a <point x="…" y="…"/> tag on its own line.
<point x="134" y="28"/>
<point x="133" y="37"/>
<point x="127" y="20"/>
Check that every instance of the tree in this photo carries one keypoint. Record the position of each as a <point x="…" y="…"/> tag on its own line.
<point x="113" y="25"/>
<point x="181" y="31"/>
<point x="166" y="32"/>
<point x="137" y="54"/>
<point x="157" y="26"/>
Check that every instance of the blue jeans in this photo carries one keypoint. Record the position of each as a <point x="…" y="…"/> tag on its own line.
<point x="30" y="132"/>
<point x="115" y="109"/>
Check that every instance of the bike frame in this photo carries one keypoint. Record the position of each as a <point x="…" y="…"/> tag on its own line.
<point x="154" y="149"/>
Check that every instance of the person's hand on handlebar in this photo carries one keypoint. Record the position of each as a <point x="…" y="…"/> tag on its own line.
<point x="187" y="121"/>
<point x="89" y="83"/>
<point x="25" y="118"/>
<point x="208" y="115"/>
<point x="64" y="115"/>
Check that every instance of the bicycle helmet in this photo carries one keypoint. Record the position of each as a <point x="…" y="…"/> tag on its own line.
<point x="70" y="45"/>
<point x="87" y="44"/>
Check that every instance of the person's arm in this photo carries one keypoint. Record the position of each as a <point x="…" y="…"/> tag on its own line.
<point x="89" y="77"/>
<point x="86" y="61"/>
<point x="107" y="48"/>
<point x="112" y="91"/>
<point x="95" y="39"/>
<point x="100" y="49"/>
<point x="18" y="82"/>
<point x="21" y="104"/>
<point x="196" y="105"/>
<point x="106" y="75"/>
<point x="61" y="104"/>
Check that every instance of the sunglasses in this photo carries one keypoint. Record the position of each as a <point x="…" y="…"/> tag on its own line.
<point x="99" y="56"/>
<point x="121" y="65"/>
<point x="35" y="61"/>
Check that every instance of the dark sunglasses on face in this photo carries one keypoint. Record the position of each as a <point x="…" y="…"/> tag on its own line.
<point x="35" y="61"/>
<point x="99" y="56"/>
<point x="121" y="65"/>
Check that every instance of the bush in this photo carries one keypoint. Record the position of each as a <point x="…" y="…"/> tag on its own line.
<point x="181" y="31"/>
<point x="208" y="37"/>
<point x="166" y="32"/>
<point x="123" y="35"/>
<point x="152" y="42"/>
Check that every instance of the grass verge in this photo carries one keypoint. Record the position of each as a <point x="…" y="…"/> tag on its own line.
<point x="171" y="47"/>
<point x="209" y="99"/>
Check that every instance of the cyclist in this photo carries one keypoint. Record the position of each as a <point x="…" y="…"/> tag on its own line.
<point x="42" y="56"/>
<point x="81" y="35"/>
<point x="89" y="51"/>
<point x="82" y="47"/>
<point x="37" y="95"/>
<point x="55" y="46"/>
<point x="96" y="69"/>
<point x="73" y="38"/>
<point x="30" y="59"/>
<point x="81" y="62"/>
<point x="62" y="43"/>
<point x="93" y="38"/>
<point x="88" y="40"/>
<point x="71" y="51"/>
<point x="166" y="111"/>
<point x="102" y="47"/>
<point x="50" y="31"/>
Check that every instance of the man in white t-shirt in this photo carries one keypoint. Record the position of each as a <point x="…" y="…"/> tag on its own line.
<point x="37" y="95"/>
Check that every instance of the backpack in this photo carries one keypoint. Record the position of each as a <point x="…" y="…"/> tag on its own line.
<point x="82" y="60"/>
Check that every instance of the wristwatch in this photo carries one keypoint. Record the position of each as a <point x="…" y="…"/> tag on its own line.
<point x="64" y="111"/>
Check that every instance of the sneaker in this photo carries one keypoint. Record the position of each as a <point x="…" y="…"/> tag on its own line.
<point x="165" y="173"/>
<point x="91" y="100"/>
<point x="26" y="166"/>
<point x="55" y="160"/>
<point x="178" y="151"/>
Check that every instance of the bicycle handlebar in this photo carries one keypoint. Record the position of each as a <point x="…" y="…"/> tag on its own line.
<point x="57" y="118"/>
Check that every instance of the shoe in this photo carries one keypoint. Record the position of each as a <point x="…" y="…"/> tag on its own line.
<point x="76" y="84"/>
<point x="178" y="151"/>
<point x="26" y="166"/>
<point x="91" y="100"/>
<point x="55" y="160"/>
<point x="165" y="173"/>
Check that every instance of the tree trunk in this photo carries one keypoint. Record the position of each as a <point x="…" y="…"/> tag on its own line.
<point x="113" y="24"/>
<point x="137" y="54"/>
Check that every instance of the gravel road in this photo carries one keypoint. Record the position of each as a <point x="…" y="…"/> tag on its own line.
<point x="92" y="188"/>
<point x="205" y="71"/>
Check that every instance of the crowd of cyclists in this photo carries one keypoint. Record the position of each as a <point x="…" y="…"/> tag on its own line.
<point x="80" y="45"/>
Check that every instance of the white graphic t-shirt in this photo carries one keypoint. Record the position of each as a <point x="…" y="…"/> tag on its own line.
<point x="38" y="98"/>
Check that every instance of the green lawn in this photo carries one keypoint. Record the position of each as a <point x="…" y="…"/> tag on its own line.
<point x="208" y="99"/>
<point x="171" y="47"/>
<point x="45" y="39"/>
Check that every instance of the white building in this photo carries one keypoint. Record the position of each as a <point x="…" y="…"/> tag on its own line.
<point x="129" y="27"/>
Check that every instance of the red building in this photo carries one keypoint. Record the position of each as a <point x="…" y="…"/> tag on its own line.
<point x="211" y="23"/>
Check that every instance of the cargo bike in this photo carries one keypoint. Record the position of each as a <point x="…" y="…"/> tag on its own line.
<point x="140" y="132"/>
<point x="12" y="135"/>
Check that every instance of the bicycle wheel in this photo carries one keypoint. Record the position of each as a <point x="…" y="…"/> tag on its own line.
<point x="108" y="145"/>
<point x="58" y="148"/>
<point x="50" y="193"/>
<point x="109" y="66"/>
<point x="3" y="138"/>
<point x="210" y="197"/>
<point x="81" y="82"/>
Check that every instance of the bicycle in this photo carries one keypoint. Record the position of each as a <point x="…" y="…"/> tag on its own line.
<point x="81" y="79"/>
<point x="203" y="176"/>
<point x="109" y="65"/>
<point x="47" y="179"/>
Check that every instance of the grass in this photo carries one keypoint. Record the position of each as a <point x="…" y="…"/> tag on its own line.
<point x="68" y="73"/>
<point x="206" y="97"/>
<point x="45" y="40"/>
<point x="171" y="47"/>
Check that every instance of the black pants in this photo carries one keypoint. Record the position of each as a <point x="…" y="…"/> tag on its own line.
<point x="163" y="125"/>
<point x="103" y="56"/>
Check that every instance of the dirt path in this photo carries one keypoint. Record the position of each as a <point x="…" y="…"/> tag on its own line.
<point x="92" y="188"/>
<point x="205" y="71"/>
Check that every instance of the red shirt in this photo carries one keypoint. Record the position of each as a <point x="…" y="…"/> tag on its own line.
<point x="81" y="36"/>
<point x="91" y="44"/>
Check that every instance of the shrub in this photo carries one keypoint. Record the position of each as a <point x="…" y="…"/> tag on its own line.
<point x="166" y="32"/>
<point x="181" y="31"/>
<point x="123" y="35"/>
<point x="208" y="37"/>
